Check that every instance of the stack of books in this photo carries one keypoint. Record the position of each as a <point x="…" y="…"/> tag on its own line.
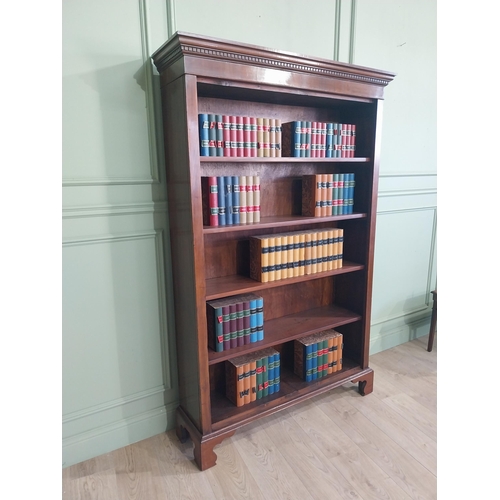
<point x="231" y="199"/>
<point x="275" y="257"/>
<point x="318" y="355"/>
<point x="239" y="136"/>
<point x="318" y="139"/>
<point x="253" y="376"/>
<point x="235" y="321"/>
<point x="328" y="194"/>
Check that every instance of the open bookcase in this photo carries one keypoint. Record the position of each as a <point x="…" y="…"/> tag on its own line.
<point x="208" y="75"/>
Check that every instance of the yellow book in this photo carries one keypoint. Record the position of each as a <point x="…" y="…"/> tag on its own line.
<point x="272" y="259"/>
<point x="335" y="248"/>
<point x="314" y="252"/>
<point x="341" y="248"/>
<point x="302" y="254"/>
<point x="330" y="250"/>
<point x="296" y="255"/>
<point x="308" y="253"/>
<point x="278" y="252"/>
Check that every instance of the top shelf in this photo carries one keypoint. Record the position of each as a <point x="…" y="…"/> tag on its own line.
<point x="280" y="159"/>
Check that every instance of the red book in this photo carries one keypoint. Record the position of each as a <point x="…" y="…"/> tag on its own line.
<point x="239" y="136"/>
<point x="233" y="135"/>
<point x="213" y="202"/>
<point x="226" y="120"/>
<point x="246" y="136"/>
<point x="322" y="150"/>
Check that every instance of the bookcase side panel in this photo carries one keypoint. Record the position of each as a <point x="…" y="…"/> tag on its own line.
<point x="184" y="198"/>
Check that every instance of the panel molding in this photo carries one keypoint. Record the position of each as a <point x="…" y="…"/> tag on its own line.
<point x="111" y="210"/>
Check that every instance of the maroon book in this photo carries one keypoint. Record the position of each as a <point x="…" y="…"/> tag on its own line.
<point x="233" y="135"/>
<point x="226" y="327"/>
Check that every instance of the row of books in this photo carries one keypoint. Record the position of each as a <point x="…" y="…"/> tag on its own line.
<point x="318" y="139"/>
<point x="280" y="256"/>
<point x="239" y="136"/>
<point x="235" y="321"/>
<point x="318" y="355"/>
<point x="229" y="200"/>
<point x="253" y="376"/>
<point x="327" y="194"/>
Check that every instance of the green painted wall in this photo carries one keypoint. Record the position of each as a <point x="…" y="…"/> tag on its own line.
<point x="119" y="371"/>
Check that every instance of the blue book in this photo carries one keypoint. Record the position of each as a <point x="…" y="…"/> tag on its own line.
<point x="329" y="140"/>
<point x="221" y="201"/>
<point x="314" y="362"/>
<point x="270" y="370"/>
<point x="253" y="320"/>
<point x="260" y="318"/>
<point x="277" y="371"/>
<point x="204" y="136"/>
<point x="352" y="183"/>
<point x="236" y="199"/>
<point x="228" y="199"/>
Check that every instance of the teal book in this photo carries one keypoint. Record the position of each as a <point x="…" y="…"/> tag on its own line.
<point x="314" y="362"/>
<point x="204" y="126"/>
<point x="215" y="321"/>
<point x="260" y="318"/>
<point x="277" y="372"/>
<point x="270" y="371"/>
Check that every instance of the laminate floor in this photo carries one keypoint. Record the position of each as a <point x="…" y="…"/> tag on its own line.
<point x="338" y="445"/>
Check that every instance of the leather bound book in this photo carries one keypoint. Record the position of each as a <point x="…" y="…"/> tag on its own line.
<point x="322" y="150"/>
<point x="260" y="318"/>
<point x="247" y="129"/>
<point x="324" y="195"/>
<point x="329" y="141"/>
<point x="307" y="143"/>
<point x="277" y="372"/>
<point x="256" y="198"/>
<point x="341" y="192"/>
<point x="246" y="320"/>
<point x="239" y="136"/>
<point x="250" y="204"/>
<point x="291" y="137"/>
<point x="337" y="140"/>
<point x="272" y="258"/>
<point x="260" y="137"/>
<point x="277" y="126"/>
<point x="340" y="255"/>
<point x="243" y="199"/>
<point x="234" y="136"/>
<point x="311" y="195"/>
<point x="253" y="136"/>
<point x="210" y="201"/>
<point x="215" y="321"/>
<point x="212" y="135"/>
<point x="226" y="123"/>
<point x="314" y="139"/>
<point x="235" y="192"/>
<point x="240" y="327"/>
<point x="353" y="140"/>
<point x="235" y="376"/>
<point x="204" y="126"/>
<point x="233" y="326"/>
<point x="259" y="258"/>
<point x="253" y="380"/>
<point x="272" y="137"/>
<point x="246" y="383"/>
<point x="308" y="253"/>
<point x="226" y="326"/>
<point x="228" y="199"/>
<point x="219" y="136"/>
<point x="329" y="194"/>
<point x="221" y="200"/>
<point x="266" y="137"/>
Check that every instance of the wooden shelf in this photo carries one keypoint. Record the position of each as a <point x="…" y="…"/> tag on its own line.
<point x="284" y="221"/>
<point x="281" y="159"/>
<point x="291" y="327"/>
<point x="226" y="286"/>
<point x="292" y="388"/>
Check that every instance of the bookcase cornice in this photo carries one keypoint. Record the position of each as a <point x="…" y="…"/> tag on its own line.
<point x="188" y="45"/>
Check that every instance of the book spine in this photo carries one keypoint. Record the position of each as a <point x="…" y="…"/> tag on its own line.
<point x="277" y="126"/>
<point x="329" y="141"/>
<point x="307" y="145"/>
<point x="243" y="199"/>
<point x="329" y="194"/>
<point x="212" y="135"/>
<point x="214" y="327"/>
<point x="235" y="188"/>
<point x="247" y="129"/>
<point x="253" y="380"/>
<point x="286" y="263"/>
<point x="260" y="318"/>
<point x="272" y="137"/>
<point x="240" y="328"/>
<point x="352" y="184"/>
<point x="259" y="373"/>
<point x="204" y="127"/>
<point x="233" y="342"/>
<point x="256" y="198"/>
<point x="340" y="351"/>
<point x="253" y="136"/>
<point x="227" y="134"/>
<point x="272" y="261"/>
<point x="335" y="354"/>
<point x="278" y="255"/>
<point x="337" y="139"/>
<point x="294" y="255"/>
<point x="219" y="136"/>
<point x="221" y="201"/>
<point x="250" y="199"/>
<point x="303" y="138"/>
<point x="265" y="260"/>
<point x="277" y="372"/>
<point x="314" y="139"/>
<point x="228" y="199"/>
<point x="308" y="365"/>
<point x="323" y="140"/>
<point x="270" y="370"/>
<point x="246" y="384"/>
<point x="253" y="321"/>
<point x="335" y="259"/>
<point x="324" y="195"/>
<point x="314" y="252"/>
<point x="335" y="195"/>
<point x="266" y="139"/>
<point x="344" y="140"/>
<point x="213" y="201"/>
<point x="226" y="327"/>
<point x="239" y="136"/>
<point x="302" y="249"/>
<point x="320" y="251"/>
<point x="265" y="377"/>
<point x="260" y="137"/>
<point x="239" y="374"/>
<point x="234" y="135"/>
<point x="246" y="322"/>
<point x="330" y="249"/>
<point x="308" y="254"/>
<point x="314" y="362"/>
<point x="353" y="140"/>
<point x="340" y="257"/>
<point x="340" y="199"/>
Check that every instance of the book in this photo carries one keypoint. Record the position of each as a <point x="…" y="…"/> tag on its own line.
<point x="340" y="198"/>
<point x="235" y="380"/>
<point x="353" y="140"/>
<point x="253" y="319"/>
<point x="214" y="325"/>
<point x="233" y="328"/>
<point x="277" y="126"/>
<point x="302" y="360"/>
<point x="259" y="371"/>
<point x="239" y="136"/>
<point x="253" y="380"/>
<point x="228" y="199"/>
<point x="260" y="318"/>
<point x="250" y="196"/>
<point x="221" y="197"/>
<point x="256" y="198"/>
<point x="246" y="320"/>
<point x="335" y="194"/>
<point x="226" y="326"/>
<point x="340" y="254"/>
<point x="240" y="328"/>
<point x="259" y="258"/>
<point x="243" y="199"/>
<point x="253" y="136"/>
<point x="277" y="257"/>
<point x="329" y="141"/>
<point x="337" y="140"/>
<point x="260" y="137"/>
<point x="270" y="373"/>
<point x="277" y="371"/>
<point x="219" y="136"/>
<point x="210" y="201"/>
<point x="235" y="191"/>
<point x="233" y="135"/>
<point x="311" y="195"/>
<point x="314" y="140"/>
<point x="212" y="135"/>
<point x="246" y="383"/>
<point x="291" y="134"/>
<point x="329" y="194"/>
<point x="307" y="141"/>
<point x="302" y="249"/>
<point x="272" y="137"/>
<point x="272" y="258"/>
<point x="247" y="129"/>
<point x="226" y="135"/>
<point x="266" y="137"/>
<point x="324" y="195"/>
<point x="203" y="125"/>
